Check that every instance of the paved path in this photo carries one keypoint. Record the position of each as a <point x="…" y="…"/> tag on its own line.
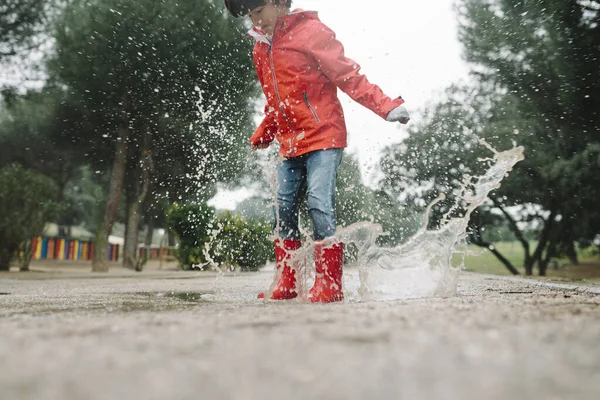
<point x="181" y="335"/>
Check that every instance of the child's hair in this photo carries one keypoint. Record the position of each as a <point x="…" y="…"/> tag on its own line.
<point x="238" y="8"/>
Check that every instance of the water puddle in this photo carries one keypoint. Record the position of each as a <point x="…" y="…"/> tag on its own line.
<point x="127" y="302"/>
<point x="187" y="297"/>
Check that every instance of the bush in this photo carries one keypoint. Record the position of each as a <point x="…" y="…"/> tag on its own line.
<point x="192" y="224"/>
<point x="242" y="242"/>
<point x="231" y="240"/>
<point x="27" y="201"/>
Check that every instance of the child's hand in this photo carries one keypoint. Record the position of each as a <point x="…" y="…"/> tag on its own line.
<point x="260" y="146"/>
<point x="398" y="114"/>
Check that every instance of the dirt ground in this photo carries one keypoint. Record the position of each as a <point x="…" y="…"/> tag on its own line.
<point x="71" y="334"/>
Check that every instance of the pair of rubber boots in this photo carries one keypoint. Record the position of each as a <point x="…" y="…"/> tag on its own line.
<point x="328" y="281"/>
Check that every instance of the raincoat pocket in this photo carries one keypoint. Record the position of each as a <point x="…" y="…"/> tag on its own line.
<point x="310" y="107"/>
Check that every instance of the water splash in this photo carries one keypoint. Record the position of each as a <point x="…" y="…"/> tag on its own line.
<point x="422" y="266"/>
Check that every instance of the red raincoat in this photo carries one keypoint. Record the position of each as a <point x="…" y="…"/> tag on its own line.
<point x="300" y="70"/>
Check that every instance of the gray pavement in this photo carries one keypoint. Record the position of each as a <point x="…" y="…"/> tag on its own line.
<point x="186" y="335"/>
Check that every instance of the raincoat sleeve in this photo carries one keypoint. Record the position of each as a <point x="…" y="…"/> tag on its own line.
<point x="266" y="131"/>
<point x="345" y="73"/>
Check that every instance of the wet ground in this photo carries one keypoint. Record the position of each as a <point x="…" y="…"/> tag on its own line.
<point x="186" y="335"/>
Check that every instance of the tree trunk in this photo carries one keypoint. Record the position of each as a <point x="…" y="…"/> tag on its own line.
<point x="544" y="238"/>
<point x="528" y="261"/>
<point x="138" y="195"/>
<point x="550" y="252"/>
<point x="27" y="255"/>
<point x="171" y="238"/>
<point x="148" y="238"/>
<point x="131" y="234"/>
<point x="100" y="261"/>
<point x="149" y="234"/>
<point x="572" y="253"/>
<point x="529" y="267"/>
<point x="567" y="240"/>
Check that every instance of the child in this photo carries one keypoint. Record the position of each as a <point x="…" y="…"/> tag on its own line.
<point x="300" y="65"/>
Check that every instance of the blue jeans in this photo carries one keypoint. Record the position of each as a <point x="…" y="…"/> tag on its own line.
<point x="313" y="174"/>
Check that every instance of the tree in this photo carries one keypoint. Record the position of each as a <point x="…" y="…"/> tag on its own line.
<point x="31" y="125"/>
<point x="444" y="149"/>
<point x="544" y="53"/>
<point x="240" y="242"/>
<point x="148" y="73"/>
<point x="19" y="22"/>
<point x="193" y="224"/>
<point x="27" y="199"/>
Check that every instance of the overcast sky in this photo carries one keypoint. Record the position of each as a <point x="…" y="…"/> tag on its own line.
<point x="408" y="48"/>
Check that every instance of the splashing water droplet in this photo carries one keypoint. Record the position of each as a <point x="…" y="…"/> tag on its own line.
<point x="421" y="267"/>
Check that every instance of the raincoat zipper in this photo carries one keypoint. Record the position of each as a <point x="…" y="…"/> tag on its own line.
<point x="279" y="102"/>
<point x="310" y="107"/>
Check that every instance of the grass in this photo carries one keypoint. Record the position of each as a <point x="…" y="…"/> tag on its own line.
<point x="481" y="260"/>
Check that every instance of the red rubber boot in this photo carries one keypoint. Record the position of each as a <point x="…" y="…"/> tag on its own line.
<point x="286" y="287"/>
<point x="328" y="283"/>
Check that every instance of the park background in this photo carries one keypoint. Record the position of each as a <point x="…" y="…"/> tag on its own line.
<point x="124" y="126"/>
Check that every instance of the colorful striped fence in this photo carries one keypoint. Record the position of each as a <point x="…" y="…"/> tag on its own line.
<point x="51" y="248"/>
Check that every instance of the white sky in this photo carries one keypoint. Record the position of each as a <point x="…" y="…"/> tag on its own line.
<point x="408" y="48"/>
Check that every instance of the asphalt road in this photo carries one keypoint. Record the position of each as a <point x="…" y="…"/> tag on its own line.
<point x="182" y="335"/>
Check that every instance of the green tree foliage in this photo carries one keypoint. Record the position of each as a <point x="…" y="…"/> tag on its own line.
<point x="180" y="72"/>
<point x="241" y="242"/>
<point x="223" y="241"/>
<point x="545" y="54"/>
<point x="29" y="127"/>
<point x="27" y="201"/>
<point x="161" y="81"/>
<point x="192" y="225"/>
<point x="444" y="149"/>
<point x="19" y="21"/>
<point x="39" y="130"/>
